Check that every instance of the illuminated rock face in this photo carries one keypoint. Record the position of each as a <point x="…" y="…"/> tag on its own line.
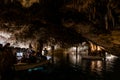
<point x="111" y="41"/>
<point x="28" y="3"/>
<point x="6" y="37"/>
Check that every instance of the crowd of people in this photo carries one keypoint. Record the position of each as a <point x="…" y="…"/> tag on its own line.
<point x="8" y="57"/>
<point x="30" y="56"/>
<point x="7" y="61"/>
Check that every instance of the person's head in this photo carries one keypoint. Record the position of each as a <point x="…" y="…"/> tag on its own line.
<point x="45" y="48"/>
<point x="1" y="45"/>
<point x="7" y="45"/>
<point x="30" y="46"/>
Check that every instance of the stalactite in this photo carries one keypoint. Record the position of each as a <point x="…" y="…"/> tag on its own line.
<point x="106" y="22"/>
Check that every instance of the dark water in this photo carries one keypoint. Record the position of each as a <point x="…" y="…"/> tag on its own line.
<point x="75" y="68"/>
<point x="108" y="69"/>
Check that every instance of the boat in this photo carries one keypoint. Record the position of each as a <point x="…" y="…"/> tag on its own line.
<point x="26" y="66"/>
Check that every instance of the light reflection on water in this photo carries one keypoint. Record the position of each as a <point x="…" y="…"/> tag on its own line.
<point x="96" y="65"/>
<point x="93" y="66"/>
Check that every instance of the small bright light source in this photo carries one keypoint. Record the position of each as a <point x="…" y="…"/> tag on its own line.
<point x="48" y="48"/>
<point x="98" y="48"/>
<point x="73" y="48"/>
<point x="110" y="57"/>
<point x="19" y="54"/>
<point x="48" y="57"/>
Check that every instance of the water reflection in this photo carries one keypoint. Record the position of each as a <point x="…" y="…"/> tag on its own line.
<point x="93" y="66"/>
<point x="96" y="65"/>
<point x="110" y="61"/>
<point x="93" y="69"/>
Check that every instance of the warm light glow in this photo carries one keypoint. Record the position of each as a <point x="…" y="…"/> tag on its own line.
<point x="48" y="48"/>
<point x="72" y="49"/>
<point x="95" y="47"/>
<point x="98" y="48"/>
<point x="73" y="53"/>
<point x="99" y="63"/>
<point x="73" y="58"/>
<point x="28" y="3"/>
<point x="96" y="65"/>
<point x="92" y="65"/>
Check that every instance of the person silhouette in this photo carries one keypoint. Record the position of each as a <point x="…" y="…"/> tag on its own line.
<point x="45" y="51"/>
<point x="7" y="63"/>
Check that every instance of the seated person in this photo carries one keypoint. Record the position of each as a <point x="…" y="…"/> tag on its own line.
<point x="32" y="58"/>
<point x="24" y="59"/>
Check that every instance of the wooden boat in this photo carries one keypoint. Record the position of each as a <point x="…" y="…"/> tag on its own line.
<point x="25" y="66"/>
<point x="93" y="57"/>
